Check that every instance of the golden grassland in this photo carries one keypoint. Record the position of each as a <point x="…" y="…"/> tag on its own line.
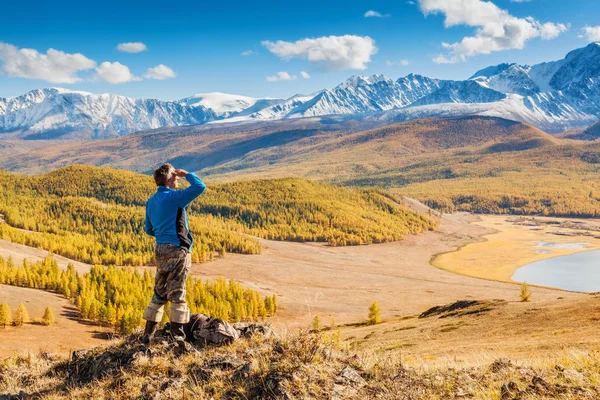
<point x="411" y="358"/>
<point x="500" y="254"/>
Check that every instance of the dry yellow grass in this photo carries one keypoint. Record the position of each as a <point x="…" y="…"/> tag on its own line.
<point x="510" y="247"/>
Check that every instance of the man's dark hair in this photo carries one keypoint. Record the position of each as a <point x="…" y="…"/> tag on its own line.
<point x="162" y="174"/>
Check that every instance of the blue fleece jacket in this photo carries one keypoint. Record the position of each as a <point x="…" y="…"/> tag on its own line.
<point x="166" y="216"/>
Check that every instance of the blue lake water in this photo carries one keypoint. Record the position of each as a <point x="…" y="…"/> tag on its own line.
<point x="578" y="272"/>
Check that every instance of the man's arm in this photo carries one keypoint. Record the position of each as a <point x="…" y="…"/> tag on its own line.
<point x="197" y="187"/>
<point x="148" y="225"/>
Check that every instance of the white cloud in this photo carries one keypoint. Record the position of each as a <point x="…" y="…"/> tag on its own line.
<point x="590" y="33"/>
<point x="402" y="63"/>
<point x="330" y="52"/>
<point x="160" y="72"/>
<point x="247" y="53"/>
<point x="497" y="30"/>
<point x="375" y="14"/>
<point x="281" y="76"/>
<point x="304" y="74"/>
<point x="115" y="73"/>
<point x="54" y="66"/>
<point x="132" y="47"/>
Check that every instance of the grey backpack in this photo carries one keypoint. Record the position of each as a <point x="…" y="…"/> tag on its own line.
<point x="212" y="330"/>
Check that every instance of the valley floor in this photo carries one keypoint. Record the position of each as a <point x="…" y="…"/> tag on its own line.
<point x="341" y="283"/>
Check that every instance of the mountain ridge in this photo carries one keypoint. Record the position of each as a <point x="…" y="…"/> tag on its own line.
<point x="554" y="96"/>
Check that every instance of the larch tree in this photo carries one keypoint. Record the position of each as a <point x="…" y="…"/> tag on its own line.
<point x="5" y="315"/>
<point x="48" y="317"/>
<point x="374" y="314"/>
<point x="21" y="316"/>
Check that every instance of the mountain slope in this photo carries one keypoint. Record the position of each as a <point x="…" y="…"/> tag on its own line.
<point x="58" y="113"/>
<point x="306" y="147"/>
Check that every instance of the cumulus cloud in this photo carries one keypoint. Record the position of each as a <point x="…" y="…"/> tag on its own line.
<point x="375" y="14"/>
<point x="304" y="74"/>
<point x="328" y="52"/>
<point x="247" y="53"/>
<point x="281" y="76"/>
<point x="115" y="73"/>
<point x="590" y="33"/>
<point x="497" y="30"/>
<point x="160" y="72"/>
<point x="53" y="66"/>
<point x="402" y="63"/>
<point x="132" y="47"/>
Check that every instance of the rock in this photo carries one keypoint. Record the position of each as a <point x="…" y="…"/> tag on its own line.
<point x="224" y="364"/>
<point x="347" y="384"/>
<point x="500" y="365"/>
<point x="349" y="376"/>
<point x="509" y="391"/>
<point x="246" y="370"/>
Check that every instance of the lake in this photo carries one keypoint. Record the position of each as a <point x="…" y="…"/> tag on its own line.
<point x="578" y="272"/>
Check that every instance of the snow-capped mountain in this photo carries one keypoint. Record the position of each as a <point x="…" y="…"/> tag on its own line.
<point x="227" y="105"/>
<point x="554" y="96"/>
<point x="53" y="113"/>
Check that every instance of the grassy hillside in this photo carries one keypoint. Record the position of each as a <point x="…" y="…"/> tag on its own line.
<point x="559" y="180"/>
<point x="96" y="215"/>
<point x="298" y="365"/>
<point x="591" y="133"/>
<point x="480" y="164"/>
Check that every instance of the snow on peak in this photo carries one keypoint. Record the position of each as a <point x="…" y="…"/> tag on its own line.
<point x="491" y="71"/>
<point x="69" y="91"/>
<point x="356" y="81"/>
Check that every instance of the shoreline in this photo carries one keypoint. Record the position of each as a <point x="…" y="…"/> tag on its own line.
<point x="510" y="247"/>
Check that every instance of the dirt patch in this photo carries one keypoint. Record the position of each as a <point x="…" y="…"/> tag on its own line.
<point x="66" y="335"/>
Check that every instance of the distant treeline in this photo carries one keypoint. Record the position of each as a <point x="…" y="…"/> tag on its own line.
<point x="96" y="215"/>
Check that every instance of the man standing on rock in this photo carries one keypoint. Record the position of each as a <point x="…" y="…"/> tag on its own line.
<point x="166" y="220"/>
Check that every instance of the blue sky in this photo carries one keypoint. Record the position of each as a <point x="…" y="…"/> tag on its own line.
<point x="201" y="42"/>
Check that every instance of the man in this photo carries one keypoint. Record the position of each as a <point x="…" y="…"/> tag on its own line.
<point x="166" y="219"/>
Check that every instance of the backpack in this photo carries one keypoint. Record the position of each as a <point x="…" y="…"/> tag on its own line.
<point x="212" y="330"/>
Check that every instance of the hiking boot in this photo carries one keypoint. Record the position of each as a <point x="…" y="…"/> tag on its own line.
<point x="149" y="332"/>
<point x="177" y="332"/>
